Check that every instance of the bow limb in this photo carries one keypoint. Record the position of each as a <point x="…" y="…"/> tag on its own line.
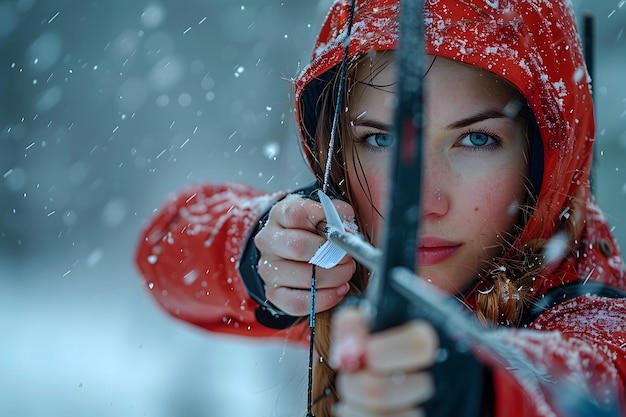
<point x="402" y="218"/>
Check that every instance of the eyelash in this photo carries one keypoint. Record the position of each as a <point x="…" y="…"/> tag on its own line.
<point x="497" y="141"/>
<point x="362" y="140"/>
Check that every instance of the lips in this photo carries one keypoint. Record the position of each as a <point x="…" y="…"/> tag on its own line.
<point x="433" y="250"/>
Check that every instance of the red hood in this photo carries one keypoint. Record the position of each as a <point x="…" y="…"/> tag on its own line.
<point x="534" y="44"/>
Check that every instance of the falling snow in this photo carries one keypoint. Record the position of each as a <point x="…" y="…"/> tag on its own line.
<point x="111" y="109"/>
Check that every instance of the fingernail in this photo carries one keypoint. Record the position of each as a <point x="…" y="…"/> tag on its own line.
<point x="347" y="355"/>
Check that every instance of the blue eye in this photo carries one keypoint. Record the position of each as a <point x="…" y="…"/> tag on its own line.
<point x="477" y="139"/>
<point x="379" y="140"/>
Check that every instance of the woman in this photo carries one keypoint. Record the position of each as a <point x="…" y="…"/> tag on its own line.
<point x="509" y="131"/>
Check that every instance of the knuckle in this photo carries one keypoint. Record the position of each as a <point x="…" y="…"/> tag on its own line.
<point x="273" y="295"/>
<point x="342" y="273"/>
<point x="350" y="266"/>
<point x="424" y="343"/>
<point x="294" y="214"/>
<point x="263" y="239"/>
<point x="266" y="272"/>
<point x="263" y="266"/>
<point x="345" y="210"/>
<point x="300" y="213"/>
<point x="326" y="299"/>
<point x="270" y="294"/>
<point x="299" y="248"/>
<point x="289" y="300"/>
<point x="299" y="303"/>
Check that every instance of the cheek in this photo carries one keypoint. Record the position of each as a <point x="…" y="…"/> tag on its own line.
<point x="368" y="185"/>
<point x="496" y="206"/>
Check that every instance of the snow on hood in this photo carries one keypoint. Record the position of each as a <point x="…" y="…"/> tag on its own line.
<point x="533" y="44"/>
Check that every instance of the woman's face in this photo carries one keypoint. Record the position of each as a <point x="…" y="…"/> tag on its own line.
<point x="474" y="165"/>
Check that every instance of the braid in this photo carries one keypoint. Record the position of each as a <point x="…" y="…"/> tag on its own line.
<point x="508" y="289"/>
<point x="324" y="394"/>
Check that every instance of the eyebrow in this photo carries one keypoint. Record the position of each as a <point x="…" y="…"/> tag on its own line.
<point x="478" y="117"/>
<point x="371" y="123"/>
<point x="459" y="124"/>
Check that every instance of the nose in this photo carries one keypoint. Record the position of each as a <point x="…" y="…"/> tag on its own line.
<point x="435" y="190"/>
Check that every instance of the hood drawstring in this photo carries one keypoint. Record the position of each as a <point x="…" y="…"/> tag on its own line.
<point x="342" y="76"/>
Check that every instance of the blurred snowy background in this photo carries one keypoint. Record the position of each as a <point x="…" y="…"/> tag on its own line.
<point x="110" y="106"/>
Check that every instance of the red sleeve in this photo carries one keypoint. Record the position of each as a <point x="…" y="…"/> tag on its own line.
<point x="189" y="257"/>
<point x="580" y="343"/>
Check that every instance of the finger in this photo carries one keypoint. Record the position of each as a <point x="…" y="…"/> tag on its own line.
<point x="297" y="303"/>
<point x="297" y="275"/>
<point x="302" y="213"/>
<point x="385" y="393"/>
<point x="296" y="212"/>
<point x="410" y="346"/>
<point x="349" y="333"/>
<point x="345" y="210"/>
<point x="292" y="244"/>
<point x="346" y="410"/>
<point x="346" y="213"/>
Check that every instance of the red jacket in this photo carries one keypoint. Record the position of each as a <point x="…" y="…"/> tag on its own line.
<point x="189" y="256"/>
<point x="191" y="253"/>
